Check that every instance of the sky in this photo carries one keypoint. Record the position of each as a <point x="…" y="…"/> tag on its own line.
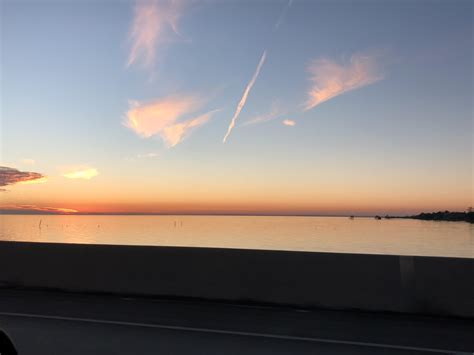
<point x="246" y="107"/>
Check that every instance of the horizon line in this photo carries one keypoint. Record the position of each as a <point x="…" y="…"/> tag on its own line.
<point x="237" y="214"/>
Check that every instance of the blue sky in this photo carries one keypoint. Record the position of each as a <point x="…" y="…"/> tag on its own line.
<point x="402" y="131"/>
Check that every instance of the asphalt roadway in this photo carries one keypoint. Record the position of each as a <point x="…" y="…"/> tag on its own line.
<point x="49" y="323"/>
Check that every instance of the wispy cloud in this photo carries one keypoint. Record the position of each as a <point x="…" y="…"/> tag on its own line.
<point x="80" y="172"/>
<point x="275" y="112"/>
<point x="290" y="123"/>
<point x="243" y="100"/>
<point x="164" y="117"/>
<point x="148" y="155"/>
<point x="33" y="209"/>
<point x="152" y="24"/>
<point x="11" y="176"/>
<point x="330" y="79"/>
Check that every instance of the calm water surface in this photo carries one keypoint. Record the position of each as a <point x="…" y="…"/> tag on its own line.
<point x="328" y="234"/>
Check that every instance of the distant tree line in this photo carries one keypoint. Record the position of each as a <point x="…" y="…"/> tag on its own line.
<point x="467" y="216"/>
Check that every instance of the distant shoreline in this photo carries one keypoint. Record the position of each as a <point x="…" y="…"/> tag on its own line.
<point x="445" y="216"/>
<point x="432" y="216"/>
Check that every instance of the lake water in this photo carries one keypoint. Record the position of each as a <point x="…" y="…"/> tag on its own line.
<point x="327" y="234"/>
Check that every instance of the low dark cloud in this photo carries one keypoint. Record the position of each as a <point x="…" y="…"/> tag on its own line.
<point x="11" y="176"/>
<point x="33" y="209"/>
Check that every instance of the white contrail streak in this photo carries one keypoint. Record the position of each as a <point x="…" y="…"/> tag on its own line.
<point x="243" y="100"/>
<point x="282" y="16"/>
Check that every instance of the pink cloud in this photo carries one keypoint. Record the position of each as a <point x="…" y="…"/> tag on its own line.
<point x="330" y="79"/>
<point x="289" y="123"/>
<point x="164" y="117"/>
<point x="152" y="24"/>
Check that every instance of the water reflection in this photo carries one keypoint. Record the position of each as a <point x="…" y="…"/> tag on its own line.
<point x="331" y="234"/>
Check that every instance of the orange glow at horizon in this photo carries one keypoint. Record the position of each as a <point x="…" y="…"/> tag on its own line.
<point x="169" y="191"/>
<point x="232" y="204"/>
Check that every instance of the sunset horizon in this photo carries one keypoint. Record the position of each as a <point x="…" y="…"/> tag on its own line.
<point x="285" y="177"/>
<point x="286" y="108"/>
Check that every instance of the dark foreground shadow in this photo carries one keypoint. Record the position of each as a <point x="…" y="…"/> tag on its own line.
<point x="6" y="345"/>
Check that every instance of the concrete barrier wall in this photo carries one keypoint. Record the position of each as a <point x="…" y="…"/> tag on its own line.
<point x="424" y="285"/>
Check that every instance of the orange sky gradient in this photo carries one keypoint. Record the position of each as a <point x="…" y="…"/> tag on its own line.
<point x="227" y="107"/>
<point x="59" y="194"/>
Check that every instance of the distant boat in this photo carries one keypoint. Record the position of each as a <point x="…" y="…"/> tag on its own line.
<point x="378" y="217"/>
<point x="351" y="217"/>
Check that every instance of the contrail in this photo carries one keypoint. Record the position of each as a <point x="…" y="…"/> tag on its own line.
<point x="243" y="100"/>
<point x="282" y="15"/>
